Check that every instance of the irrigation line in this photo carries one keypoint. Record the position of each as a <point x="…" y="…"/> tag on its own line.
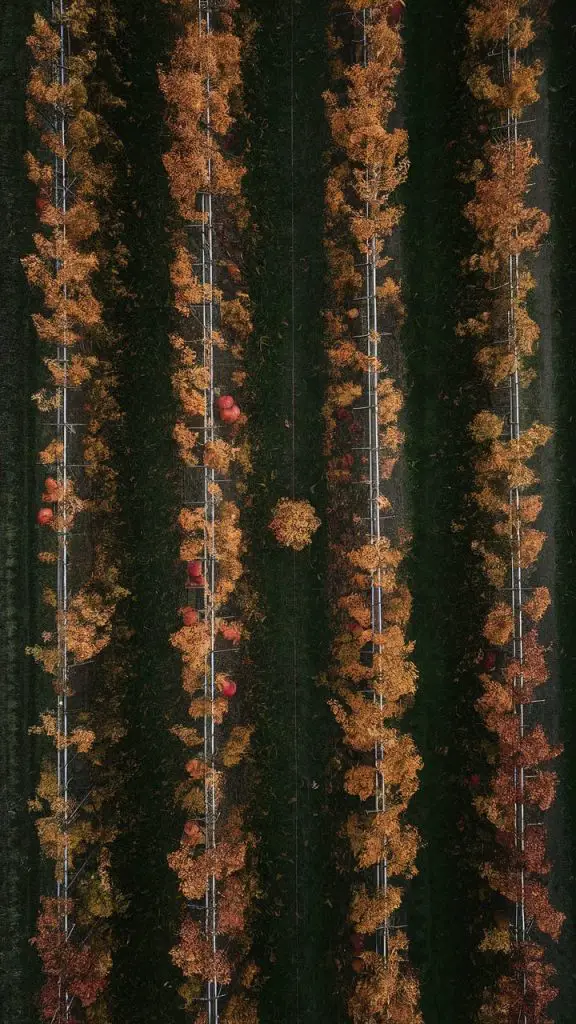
<point x="509" y="56"/>
<point x="213" y="989"/>
<point x="516" y="538"/>
<point x="374" y="495"/>
<point x="60" y="189"/>
<point x="521" y="928"/>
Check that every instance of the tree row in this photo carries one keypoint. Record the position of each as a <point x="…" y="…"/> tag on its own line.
<point x="504" y="81"/>
<point x="212" y="322"/>
<point x="79" y="559"/>
<point x="373" y="677"/>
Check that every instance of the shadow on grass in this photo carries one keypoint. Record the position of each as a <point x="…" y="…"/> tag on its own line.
<point x="562" y="105"/>
<point x="24" y="692"/>
<point x="447" y="904"/>
<point x="144" y="981"/>
<point x="295" y="811"/>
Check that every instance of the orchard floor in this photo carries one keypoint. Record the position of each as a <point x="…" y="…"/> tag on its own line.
<point x="296" y="806"/>
<point x="301" y="913"/>
<point x="562" y="111"/>
<point x="19" y="863"/>
<point x="447" y="905"/>
<point x="149" y="758"/>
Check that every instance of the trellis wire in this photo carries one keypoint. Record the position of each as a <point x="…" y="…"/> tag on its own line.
<point x="515" y="545"/>
<point x="509" y="57"/>
<point x="213" y="989"/>
<point x="66" y="461"/>
<point x="374" y="495"/>
<point x="60" y="201"/>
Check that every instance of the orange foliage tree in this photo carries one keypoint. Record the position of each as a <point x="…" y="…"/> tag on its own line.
<point x="294" y="523"/>
<point x="201" y="86"/>
<point x="372" y="676"/>
<point x="69" y="324"/>
<point x="508" y="230"/>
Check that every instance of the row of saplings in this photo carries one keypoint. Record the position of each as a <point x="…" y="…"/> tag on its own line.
<point x="506" y="226"/>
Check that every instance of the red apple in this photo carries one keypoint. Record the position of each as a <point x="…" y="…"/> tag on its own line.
<point x="225" y="402"/>
<point x="395" y="13"/>
<point x="231" y="632"/>
<point x="195" y="768"/>
<point x="355" y="628"/>
<point x="44" y="516"/>
<point x="234" y="272"/>
<point x="227" y="687"/>
<point x="230" y="415"/>
<point x="194" y="834"/>
<point x="50" y="490"/>
<point x="358" y="965"/>
<point x="189" y="615"/>
<point x="195" y="568"/>
<point x="489" y="661"/>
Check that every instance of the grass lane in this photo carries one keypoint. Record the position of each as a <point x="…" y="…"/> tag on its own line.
<point x="445" y="902"/>
<point x="19" y="976"/>
<point x="294" y="809"/>
<point x="562" y="105"/>
<point x="143" y="980"/>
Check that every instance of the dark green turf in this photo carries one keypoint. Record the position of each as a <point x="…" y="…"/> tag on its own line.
<point x="18" y="848"/>
<point x="444" y="904"/>
<point x="301" y="910"/>
<point x="562" y="99"/>
<point x="144" y="982"/>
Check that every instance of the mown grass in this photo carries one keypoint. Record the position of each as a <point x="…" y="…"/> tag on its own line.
<point x="19" y="697"/>
<point x="447" y="903"/>
<point x="294" y="810"/>
<point x="562" y="105"/>
<point x="144" y="981"/>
